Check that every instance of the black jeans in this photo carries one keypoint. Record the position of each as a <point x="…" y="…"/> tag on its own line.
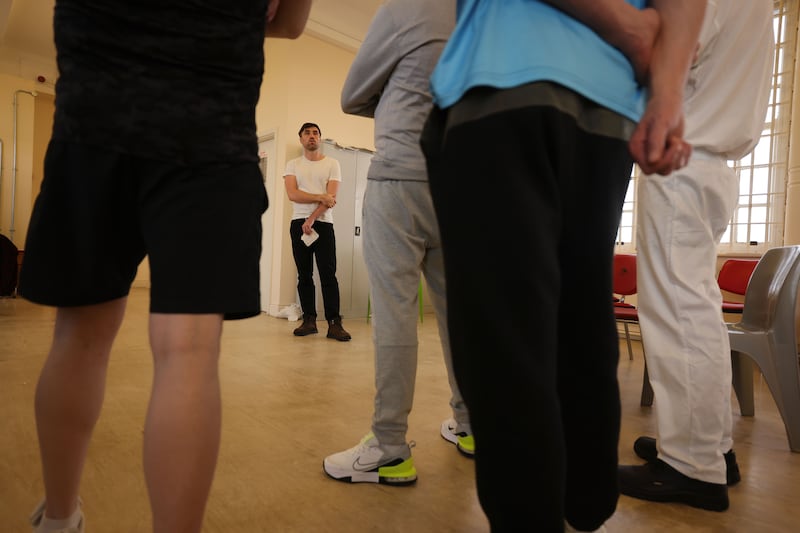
<point x="324" y="249"/>
<point x="528" y="206"/>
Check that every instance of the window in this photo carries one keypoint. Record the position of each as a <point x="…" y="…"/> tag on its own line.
<point x="758" y="220"/>
<point x="627" y="224"/>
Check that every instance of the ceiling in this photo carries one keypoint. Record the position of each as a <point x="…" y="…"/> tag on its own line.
<point x="26" y="25"/>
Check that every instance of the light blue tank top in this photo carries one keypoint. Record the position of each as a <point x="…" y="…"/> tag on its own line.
<point x="507" y="43"/>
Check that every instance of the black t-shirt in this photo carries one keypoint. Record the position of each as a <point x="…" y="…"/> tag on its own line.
<point x="165" y="79"/>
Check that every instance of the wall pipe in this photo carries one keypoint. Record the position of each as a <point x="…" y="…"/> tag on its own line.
<point x="14" y="164"/>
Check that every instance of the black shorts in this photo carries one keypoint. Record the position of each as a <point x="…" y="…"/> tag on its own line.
<point x="99" y="213"/>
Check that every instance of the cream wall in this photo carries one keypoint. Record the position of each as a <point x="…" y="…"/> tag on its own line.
<point x="42" y="130"/>
<point x="302" y="83"/>
<point x="29" y="146"/>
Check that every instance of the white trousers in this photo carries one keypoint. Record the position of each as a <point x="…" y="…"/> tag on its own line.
<point x="681" y="219"/>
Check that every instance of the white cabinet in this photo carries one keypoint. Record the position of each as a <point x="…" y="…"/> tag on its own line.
<point x="350" y="268"/>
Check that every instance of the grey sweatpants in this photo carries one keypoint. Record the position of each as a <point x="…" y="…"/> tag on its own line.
<point x="401" y="241"/>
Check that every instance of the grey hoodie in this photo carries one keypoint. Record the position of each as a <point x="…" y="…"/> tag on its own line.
<point x="390" y="81"/>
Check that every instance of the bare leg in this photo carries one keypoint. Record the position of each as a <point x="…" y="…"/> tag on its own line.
<point x="182" y="431"/>
<point x="69" y="397"/>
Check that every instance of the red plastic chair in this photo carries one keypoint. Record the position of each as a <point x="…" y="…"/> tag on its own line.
<point x="734" y="277"/>
<point x="624" y="284"/>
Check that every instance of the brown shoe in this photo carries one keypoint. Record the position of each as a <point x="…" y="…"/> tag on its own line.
<point x="308" y="327"/>
<point x="336" y="331"/>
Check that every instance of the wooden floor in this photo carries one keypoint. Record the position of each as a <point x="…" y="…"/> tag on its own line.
<point x="290" y="401"/>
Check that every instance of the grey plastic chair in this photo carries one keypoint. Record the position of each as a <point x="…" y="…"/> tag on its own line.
<point x="767" y="335"/>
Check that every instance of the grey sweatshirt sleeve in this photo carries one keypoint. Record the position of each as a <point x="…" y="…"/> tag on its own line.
<point x="373" y="65"/>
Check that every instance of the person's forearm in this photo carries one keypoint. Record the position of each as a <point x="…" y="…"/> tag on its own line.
<point x="289" y="20"/>
<point x="608" y="18"/>
<point x="332" y="188"/>
<point x="657" y="143"/>
<point x="303" y="197"/>
<point x="374" y="64"/>
<point x="675" y="47"/>
<point x="321" y="208"/>
<point x="630" y="30"/>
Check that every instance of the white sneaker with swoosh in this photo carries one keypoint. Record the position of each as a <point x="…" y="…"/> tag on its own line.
<point x="465" y="442"/>
<point x="371" y="462"/>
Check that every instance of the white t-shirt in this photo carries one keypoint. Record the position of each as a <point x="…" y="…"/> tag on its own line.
<point x="313" y="177"/>
<point x="728" y="87"/>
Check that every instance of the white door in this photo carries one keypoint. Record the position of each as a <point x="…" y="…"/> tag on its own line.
<point x="266" y="153"/>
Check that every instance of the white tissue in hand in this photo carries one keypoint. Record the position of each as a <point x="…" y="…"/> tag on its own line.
<point x="310" y="237"/>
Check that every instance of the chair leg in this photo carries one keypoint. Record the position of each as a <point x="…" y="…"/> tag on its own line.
<point x="628" y="340"/>
<point x="783" y="379"/>
<point x="647" y="389"/>
<point x="742" y="370"/>
<point x="790" y="411"/>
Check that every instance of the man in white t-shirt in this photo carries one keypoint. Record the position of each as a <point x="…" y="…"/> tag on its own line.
<point x="312" y="181"/>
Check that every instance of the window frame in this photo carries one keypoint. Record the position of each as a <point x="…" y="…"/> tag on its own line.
<point x="776" y="135"/>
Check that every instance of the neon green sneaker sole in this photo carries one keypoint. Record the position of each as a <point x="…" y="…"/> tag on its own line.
<point x="402" y="474"/>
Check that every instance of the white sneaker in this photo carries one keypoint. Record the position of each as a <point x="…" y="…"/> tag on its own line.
<point x="37" y="519"/>
<point x="463" y="441"/>
<point x="370" y="462"/>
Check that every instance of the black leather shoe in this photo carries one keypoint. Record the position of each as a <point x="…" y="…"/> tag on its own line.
<point x="336" y="331"/>
<point x="308" y="326"/>
<point x="645" y="447"/>
<point x="657" y="481"/>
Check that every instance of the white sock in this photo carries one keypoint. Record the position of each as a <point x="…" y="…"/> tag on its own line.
<point x="52" y="524"/>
